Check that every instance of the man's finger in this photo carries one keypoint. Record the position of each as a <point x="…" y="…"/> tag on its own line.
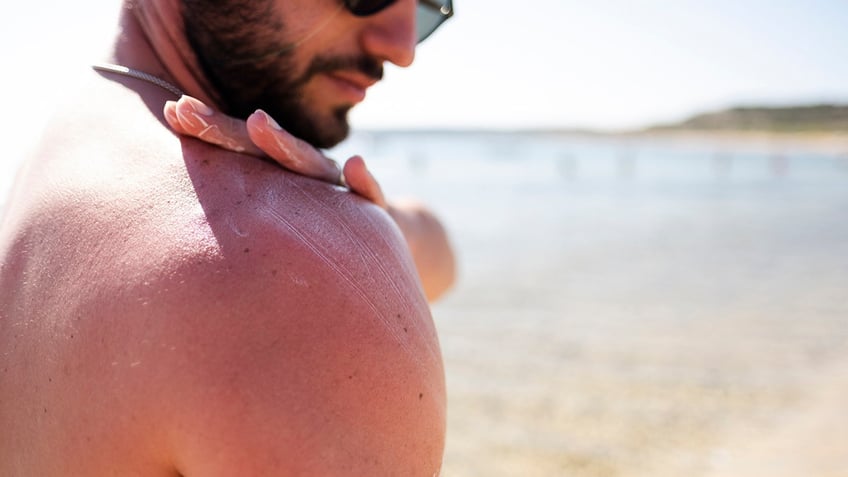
<point x="360" y="180"/>
<point x="171" y="117"/>
<point x="193" y="118"/>
<point x="292" y="153"/>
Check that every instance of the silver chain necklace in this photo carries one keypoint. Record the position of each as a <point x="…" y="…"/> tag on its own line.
<point x="141" y="75"/>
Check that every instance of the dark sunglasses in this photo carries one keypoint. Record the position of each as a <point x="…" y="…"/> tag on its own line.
<point x="430" y="14"/>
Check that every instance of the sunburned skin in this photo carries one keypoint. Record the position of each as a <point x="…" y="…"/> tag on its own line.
<point x="325" y="228"/>
<point x="308" y="229"/>
<point x="262" y="137"/>
<point x="304" y="153"/>
<point x="312" y="231"/>
<point x="335" y="234"/>
<point x="340" y="214"/>
<point x="203" y="313"/>
<point x="211" y="132"/>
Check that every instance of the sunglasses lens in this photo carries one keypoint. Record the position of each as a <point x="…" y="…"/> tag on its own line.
<point x="431" y="14"/>
<point x="366" y="7"/>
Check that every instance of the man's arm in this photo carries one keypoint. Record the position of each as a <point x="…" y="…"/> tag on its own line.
<point x="261" y="136"/>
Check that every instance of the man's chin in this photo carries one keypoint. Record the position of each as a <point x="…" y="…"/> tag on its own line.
<point x="326" y="132"/>
<point x="322" y="128"/>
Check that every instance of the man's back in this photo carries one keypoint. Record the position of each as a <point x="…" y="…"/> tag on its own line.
<point x="169" y="308"/>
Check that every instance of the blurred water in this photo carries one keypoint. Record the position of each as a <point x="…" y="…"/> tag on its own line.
<point x="520" y="196"/>
<point x="625" y="305"/>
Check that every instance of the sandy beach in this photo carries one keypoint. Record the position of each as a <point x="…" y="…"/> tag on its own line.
<point x="808" y="439"/>
<point x="624" y="397"/>
<point x="620" y="386"/>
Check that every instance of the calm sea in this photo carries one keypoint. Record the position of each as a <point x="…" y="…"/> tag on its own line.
<point x="527" y="201"/>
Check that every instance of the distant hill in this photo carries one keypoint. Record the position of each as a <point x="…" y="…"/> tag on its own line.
<point x="814" y="118"/>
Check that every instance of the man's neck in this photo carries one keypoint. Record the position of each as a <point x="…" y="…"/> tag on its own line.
<point x="152" y="41"/>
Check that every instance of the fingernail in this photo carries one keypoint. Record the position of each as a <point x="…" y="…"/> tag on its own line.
<point x="270" y="120"/>
<point x="197" y="106"/>
<point x="170" y="111"/>
<point x="170" y="108"/>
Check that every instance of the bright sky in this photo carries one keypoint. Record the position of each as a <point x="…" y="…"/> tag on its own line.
<point x="605" y="64"/>
<point x="616" y="63"/>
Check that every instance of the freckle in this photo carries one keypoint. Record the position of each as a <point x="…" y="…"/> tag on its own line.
<point x="350" y="377"/>
<point x="206" y="162"/>
<point x="405" y="330"/>
<point x="274" y="272"/>
<point x="45" y="410"/>
<point x="420" y="396"/>
<point x="247" y="250"/>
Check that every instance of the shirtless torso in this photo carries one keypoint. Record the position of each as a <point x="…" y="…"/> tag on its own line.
<point x="169" y="308"/>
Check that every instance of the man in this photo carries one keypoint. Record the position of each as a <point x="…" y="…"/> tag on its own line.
<point x="170" y="308"/>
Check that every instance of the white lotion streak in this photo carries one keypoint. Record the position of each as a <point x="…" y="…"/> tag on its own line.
<point x="366" y="251"/>
<point x="321" y="248"/>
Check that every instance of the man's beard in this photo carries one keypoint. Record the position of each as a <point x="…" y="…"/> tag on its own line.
<point x="237" y="43"/>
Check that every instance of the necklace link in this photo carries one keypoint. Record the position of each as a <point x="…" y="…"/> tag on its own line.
<point x="141" y="75"/>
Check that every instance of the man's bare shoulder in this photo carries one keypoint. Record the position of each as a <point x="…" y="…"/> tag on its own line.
<point x="241" y="312"/>
<point x="296" y="319"/>
<point x="306" y="334"/>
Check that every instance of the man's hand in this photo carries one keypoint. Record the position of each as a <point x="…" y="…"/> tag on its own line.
<point x="261" y="136"/>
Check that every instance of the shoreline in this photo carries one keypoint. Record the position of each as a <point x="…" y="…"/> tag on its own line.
<point x="822" y="142"/>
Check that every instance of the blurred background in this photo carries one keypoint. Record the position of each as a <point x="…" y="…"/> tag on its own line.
<point x="649" y="200"/>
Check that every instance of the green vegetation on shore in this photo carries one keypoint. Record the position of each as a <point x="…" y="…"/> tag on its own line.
<point x="812" y="118"/>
